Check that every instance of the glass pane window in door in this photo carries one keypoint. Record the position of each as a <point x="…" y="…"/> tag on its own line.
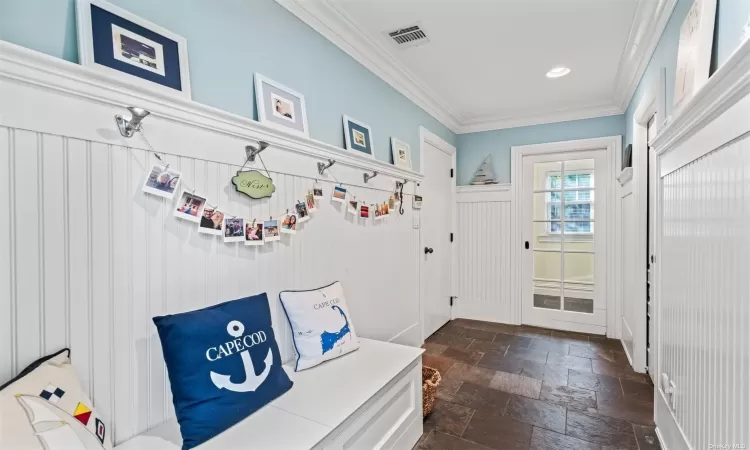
<point x="579" y="228"/>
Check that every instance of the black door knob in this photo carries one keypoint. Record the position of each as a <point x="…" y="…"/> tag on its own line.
<point x="428" y="250"/>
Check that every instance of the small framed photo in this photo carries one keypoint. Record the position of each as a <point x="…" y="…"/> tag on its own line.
<point x="303" y="215"/>
<point x="339" y="194"/>
<point x="377" y="211"/>
<point x="212" y="221"/>
<point x="234" y="229"/>
<point x="162" y="181"/>
<point x="271" y="230"/>
<point x="280" y="107"/>
<point x="401" y="153"/>
<point x="358" y="137"/>
<point x="353" y="207"/>
<point x="254" y="233"/>
<point x="317" y="191"/>
<point x="122" y="45"/>
<point x="364" y="211"/>
<point x="310" y="200"/>
<point x="190" y="207"/>
<point x="289" y="224"/>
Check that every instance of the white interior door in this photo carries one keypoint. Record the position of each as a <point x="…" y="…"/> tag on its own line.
<point x="436" y="224"/>
<point x="565" y="227"/>
<point x="653" y="179"/>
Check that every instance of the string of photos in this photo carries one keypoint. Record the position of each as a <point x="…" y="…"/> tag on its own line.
<point x="164" y="181"/>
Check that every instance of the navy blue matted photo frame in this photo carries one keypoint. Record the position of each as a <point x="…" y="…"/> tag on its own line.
<point x="124" y="46"/>
<point x="358" y="137"/>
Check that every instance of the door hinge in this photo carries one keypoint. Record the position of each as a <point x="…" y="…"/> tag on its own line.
<point x="451" y="173"/>
<point x="451" y="237"/>
<point x="452" y="297"/>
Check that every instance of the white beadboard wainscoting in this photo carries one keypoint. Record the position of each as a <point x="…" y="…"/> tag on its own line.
<point x="89" y="259"/>
<point x="703" y="258"/>
<point x="485" y="259"/>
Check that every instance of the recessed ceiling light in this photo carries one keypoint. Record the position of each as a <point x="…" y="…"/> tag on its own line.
<point x="557" y="72"/>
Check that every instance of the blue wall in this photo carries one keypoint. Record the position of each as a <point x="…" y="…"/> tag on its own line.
<point x="731" y="16"/>
<point x="474" y="147"/>
<point x="230" y="40"/>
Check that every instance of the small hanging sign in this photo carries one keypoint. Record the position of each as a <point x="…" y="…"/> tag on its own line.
<point x="253" y="184"/>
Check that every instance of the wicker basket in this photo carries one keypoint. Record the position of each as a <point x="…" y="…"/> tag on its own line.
<point x="430" y="381"/>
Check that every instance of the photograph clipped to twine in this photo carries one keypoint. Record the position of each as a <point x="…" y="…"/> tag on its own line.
<point x="234" y="229"/>
<point x="254" y="233"/>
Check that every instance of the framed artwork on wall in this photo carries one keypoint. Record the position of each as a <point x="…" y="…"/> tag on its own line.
<point x="401" y="153"/>
<point x="280" y="107"/>
<point x="358" y="137"/>
<point x="694" y="51"/>
<point x="120" y="44"/>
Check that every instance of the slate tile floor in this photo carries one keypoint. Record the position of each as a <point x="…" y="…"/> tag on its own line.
<point x="519" y="387"/>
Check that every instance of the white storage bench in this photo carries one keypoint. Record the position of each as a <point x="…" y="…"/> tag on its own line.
<point x="368" y="399"/>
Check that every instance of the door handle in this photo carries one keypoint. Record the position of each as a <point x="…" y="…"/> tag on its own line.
<point x="428" y="250"/>
<point x="526" y="245"/>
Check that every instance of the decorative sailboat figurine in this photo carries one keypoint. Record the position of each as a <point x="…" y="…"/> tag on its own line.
<point x="485" y="175"/>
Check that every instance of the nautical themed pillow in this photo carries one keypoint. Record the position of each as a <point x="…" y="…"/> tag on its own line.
<point x="223" y="363"/>
<point x="321" y="326"/>
<point x="44" y="408"/>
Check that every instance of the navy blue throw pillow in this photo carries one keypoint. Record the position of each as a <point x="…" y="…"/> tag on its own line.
<point x="224" y="364"/>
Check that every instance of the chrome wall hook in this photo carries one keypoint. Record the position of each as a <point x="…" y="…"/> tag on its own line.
<point x="252" y="151"/>
<point x="128" y="127"/>
<point x="368" y="177"/>
<point x="323" y="166"/>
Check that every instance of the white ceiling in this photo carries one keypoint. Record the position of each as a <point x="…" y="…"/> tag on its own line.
<point x="485" y="63"/>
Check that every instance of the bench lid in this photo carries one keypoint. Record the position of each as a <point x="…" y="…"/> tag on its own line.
<point x="331" y="392"/>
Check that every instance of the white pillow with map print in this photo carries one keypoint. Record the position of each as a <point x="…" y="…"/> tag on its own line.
<point x="321" y="325"/>
<point x="44" y="408"/>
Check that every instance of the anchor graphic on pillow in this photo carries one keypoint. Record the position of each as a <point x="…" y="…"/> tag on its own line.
<point x="252" y="381"/>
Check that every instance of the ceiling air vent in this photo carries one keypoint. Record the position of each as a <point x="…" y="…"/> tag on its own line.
<point x="410" y="36"/>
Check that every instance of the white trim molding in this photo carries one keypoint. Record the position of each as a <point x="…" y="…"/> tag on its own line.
<point x="483" y="194"/>
<point x="24" y="66"/>
<point x="328" y="19"/>
<point x="613" y="146"/>
<point x="651" y="18"/>
<point x="728" y="85"/>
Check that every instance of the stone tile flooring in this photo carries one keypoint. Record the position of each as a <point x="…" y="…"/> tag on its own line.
<point x="520" y="387"/>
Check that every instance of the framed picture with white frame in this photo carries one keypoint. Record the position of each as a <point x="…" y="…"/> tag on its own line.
<point x="358" y="137"/>
<point x="280" y="107"/>
<point x="123" y="46"/>
<point x="401" y="153"/>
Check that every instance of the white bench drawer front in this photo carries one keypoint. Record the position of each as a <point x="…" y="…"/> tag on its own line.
<point x="383" y="423"/>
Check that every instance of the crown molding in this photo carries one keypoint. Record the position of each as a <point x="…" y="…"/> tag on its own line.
<point x="326" y="19"/>
<point x="649" y="22"/>
<point x="500" y="123"/>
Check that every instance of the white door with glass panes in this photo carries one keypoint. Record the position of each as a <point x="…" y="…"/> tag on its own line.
<point x="564" y="216"/>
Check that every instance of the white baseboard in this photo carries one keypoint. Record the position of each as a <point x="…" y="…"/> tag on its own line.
<point x="668" y="431"/>
<point x="411" y="336"/>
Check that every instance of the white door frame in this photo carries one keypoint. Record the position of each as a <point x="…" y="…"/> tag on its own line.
<point x="652" y="104"/>
<point x="428" y="137"/>
<point x="613" y="145"/>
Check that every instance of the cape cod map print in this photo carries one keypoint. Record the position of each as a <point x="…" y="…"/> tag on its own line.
<point x="328" y="340"/>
